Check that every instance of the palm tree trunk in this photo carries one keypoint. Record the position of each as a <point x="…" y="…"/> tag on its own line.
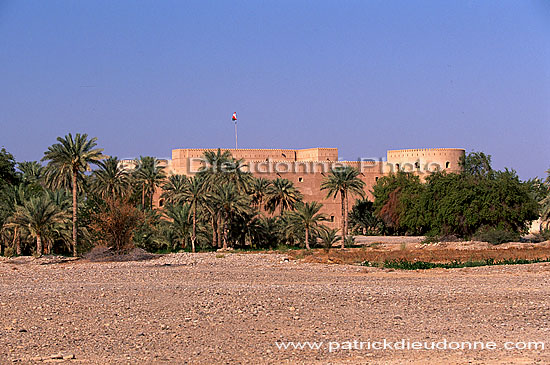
<point x="214" y="237"/>
<point x="152" y="193"/>
<point x="38" y="245"/>
<point x="307" y="239"/>
<point x="17" y="242"/>
<point x="219" y="230"/>
<point x="343" y="196"/>
<point x="346" y="215"/>
<point x="225" y="235"/>
<point x="75" y="207"/>
<point x="194" y="235"/>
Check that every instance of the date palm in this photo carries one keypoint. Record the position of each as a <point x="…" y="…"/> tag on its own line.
<point x="306" y="217"/>
<point x="71" y="157"/>
<point x="215" y="165"/>
<point x="173" y="188"/>
<point x="149" y="174"/>
<point x="258" y="191"/>
<point x="111" y="180"/>
<point x="39" y="216"/>
<point x="344" y="181"/>
<point x="194" y="195"/>
<point x="14" y="196"/>
<point x="32" y="172"/>
<point x="179" y="226"/>
<point x="328" y="236"/>
<point x="230" y="203"/>
<point x="283" y="195"/>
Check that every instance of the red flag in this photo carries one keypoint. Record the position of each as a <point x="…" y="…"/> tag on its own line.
<point x="234" y="117"/>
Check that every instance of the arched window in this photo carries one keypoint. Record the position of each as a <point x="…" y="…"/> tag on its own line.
<point x="417" y="165"/>
<point x="161" y="203"/>
<point x="447" y="164"/>
<point x="397" y="167"/>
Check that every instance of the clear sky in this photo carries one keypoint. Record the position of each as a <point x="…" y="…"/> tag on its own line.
<point x="364" y="76"/>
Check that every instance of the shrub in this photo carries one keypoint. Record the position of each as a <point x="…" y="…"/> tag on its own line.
<point x="115" y="224"/>
<point x="496" y="236"/>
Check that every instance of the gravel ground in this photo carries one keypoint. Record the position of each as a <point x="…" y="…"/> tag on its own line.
<point x="211" y="308"/>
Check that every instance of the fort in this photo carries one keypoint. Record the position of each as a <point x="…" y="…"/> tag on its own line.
<point x="307" y="168"/>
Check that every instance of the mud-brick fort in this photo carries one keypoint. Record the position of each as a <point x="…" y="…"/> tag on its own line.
<point x="307" y="168"/>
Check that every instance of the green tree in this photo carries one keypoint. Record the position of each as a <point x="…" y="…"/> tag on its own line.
<point x="328" y="236"/>
<point x="282" y="194"/>
<point x="7" y="168"/>
<point x="149" y="174"/>
<point x="476" y="164"/>
<point x="38" y="216"/>
<point x="174" y="187"/>
<point x="362" y="218"/>
<point x="343" y="181"/>
<point x="397" y="202"/>
<point x="111" y="180"/>
<point x="72" y="157"/>
<point x="32" y="172"/>
<point x="306" y="217"/>
<point x="230" y="203"/>
<point x="258" y="191"/>
<point x="194" y="195"/>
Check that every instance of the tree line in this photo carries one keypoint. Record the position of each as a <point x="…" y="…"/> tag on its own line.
<point x="63" y="205"/>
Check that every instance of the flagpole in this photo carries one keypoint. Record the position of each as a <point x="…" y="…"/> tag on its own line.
<point x="236" y="146"/>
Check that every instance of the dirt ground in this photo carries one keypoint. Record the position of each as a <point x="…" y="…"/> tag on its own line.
<point x="213" y="308"/>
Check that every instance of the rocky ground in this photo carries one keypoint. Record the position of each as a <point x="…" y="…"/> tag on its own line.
<point x="217" y="308"/>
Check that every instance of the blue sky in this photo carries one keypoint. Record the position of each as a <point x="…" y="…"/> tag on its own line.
<point x="364" y="76"/>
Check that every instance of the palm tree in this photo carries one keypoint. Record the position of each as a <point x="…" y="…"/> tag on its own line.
<point x="545" y="211"/>
<point x="230" y="203"/>
<point x="328" y="236"/>
<point x="15" y="196"/>
<point x="39" y="216"/>
<point x="172" y="189"/>
<point x="307" y="217"/>
<point x="72" y="157"/>
<point x="179" y="221"/>
<point x="111" y="180"/>
<point x="283" y="195"/>
<point x="258" y="191"/>
<point x="194" y="195"/>
<point x="150" y="174"/>
<point x="344" y="181"/>
<point x="32" y="171"/>
<point x="361" y="217"/>
<point x="216" y="164"/>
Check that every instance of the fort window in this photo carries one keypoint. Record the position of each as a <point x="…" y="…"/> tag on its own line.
<point x="376" y="178"/>
<point x="332" y="218"/>
<point x="161" y="202"/>
<point x="417" y="164"/>
<point x="300" y="179"/>
<point x="447" y="164"/>
<point x="397" y="167"/>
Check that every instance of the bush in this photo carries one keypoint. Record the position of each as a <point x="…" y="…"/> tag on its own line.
<point x="115" y="224"/>
<point x="542" y="236"/>
<point x="496" y="236"/>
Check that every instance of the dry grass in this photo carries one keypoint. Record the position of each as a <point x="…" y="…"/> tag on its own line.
<point x="442" y="255"/>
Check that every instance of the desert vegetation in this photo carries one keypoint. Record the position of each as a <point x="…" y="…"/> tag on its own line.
<point x="77" y="197"/>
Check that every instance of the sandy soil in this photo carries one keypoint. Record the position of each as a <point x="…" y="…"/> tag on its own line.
<point x="233" y="308"/>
